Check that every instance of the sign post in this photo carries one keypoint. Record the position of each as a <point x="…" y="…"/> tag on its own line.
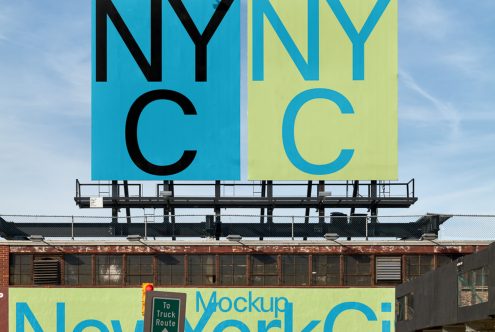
<point x="164" y="312"/>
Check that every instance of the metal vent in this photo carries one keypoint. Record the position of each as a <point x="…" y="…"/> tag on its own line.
<point x="46" y="272"/>
<point x="388" y="268"/>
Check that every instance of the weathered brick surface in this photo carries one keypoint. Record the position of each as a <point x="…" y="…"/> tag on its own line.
<point x="4" y="265"/>
<point x="4" y="309"/>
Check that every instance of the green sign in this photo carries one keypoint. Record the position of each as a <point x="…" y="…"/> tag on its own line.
<point x="164" y="312"/>
<point x="165" y="315"/>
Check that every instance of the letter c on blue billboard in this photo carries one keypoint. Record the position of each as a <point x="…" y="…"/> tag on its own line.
<point x="131" y="132"/>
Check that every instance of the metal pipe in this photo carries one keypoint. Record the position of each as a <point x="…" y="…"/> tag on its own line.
<point x="366" y="231"/>
<point x="292" y="230"/>
<point x="146" y="227"/>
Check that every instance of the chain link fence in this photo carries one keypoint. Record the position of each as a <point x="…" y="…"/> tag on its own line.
<point x="193" y="226"/>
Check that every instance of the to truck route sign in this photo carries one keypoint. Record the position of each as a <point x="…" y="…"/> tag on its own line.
<point x="165" y="315"/>
<point x="164" y="312"/>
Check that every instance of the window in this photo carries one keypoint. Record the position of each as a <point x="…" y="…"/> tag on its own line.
<point x="405" y="307"/>
<point x="21" y="270"/>
<point x="264" y="270"/>
<point x="472" y="287"/>
<point x="139" y="269"/>
<point x="357" y="270"/>
<point x="326" y="270"/>
<point x="202" y="270"/>
<point x="295" y="270"/>
<point x="417" y="265"/>
<point x="233" y="269"/>
<point x="78" y="270"/>
<point x="170" y="269"/>
<point x="109" y="269"/>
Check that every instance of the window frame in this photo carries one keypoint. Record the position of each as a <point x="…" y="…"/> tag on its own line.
<point x="66" y="274"/>
<point x="479" y="293"/>
<point x="171" y="270"/>
<point x="142" y="277"/>
<point x="294" y="269"/>
<point x="12" y="268"/>
<point x="264" y="276"/>
<point x="234" y="275"/>
<point x="348" y="274"/>
<point x="420" y="266"/>
<point x="203" y="269"/>
<point x="120" y="274"/>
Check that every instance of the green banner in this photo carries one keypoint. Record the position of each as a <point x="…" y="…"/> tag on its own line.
<point x="208" y="309"/>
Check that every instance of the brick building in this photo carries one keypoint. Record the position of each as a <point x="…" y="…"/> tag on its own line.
<point x="209" y="264"/>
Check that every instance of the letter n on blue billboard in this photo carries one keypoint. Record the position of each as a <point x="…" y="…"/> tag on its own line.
<point x="166" y="89"/>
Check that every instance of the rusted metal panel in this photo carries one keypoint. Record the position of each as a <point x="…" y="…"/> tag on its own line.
<point x="246" y="249"/>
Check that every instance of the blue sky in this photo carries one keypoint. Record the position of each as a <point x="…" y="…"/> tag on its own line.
<point x="446" y="104"/>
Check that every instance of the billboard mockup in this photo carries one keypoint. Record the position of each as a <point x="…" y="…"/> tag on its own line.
<point x="166" y="90"/>
<point x="322" y="91"/>
<point x="208" y="309"/>
<point x="319" y="78"/>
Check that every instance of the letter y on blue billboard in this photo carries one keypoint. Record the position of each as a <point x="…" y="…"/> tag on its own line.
<point x="166" y="89"/>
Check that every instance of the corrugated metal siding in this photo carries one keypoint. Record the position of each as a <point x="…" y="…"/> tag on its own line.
<point x="388" y="268"/>
<point x="46" y="272"/>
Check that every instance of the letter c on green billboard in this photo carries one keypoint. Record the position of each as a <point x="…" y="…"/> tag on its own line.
<point x="289" y="141"/>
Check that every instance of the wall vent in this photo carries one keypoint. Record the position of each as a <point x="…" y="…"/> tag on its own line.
<point x="46" y="272"/>
<point x="388" y="268"/>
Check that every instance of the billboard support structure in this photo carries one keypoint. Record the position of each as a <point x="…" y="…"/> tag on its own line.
<point x="369" y="195"/>
<point x="370" y="199"/>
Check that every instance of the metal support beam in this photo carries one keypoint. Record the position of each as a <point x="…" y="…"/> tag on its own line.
<point x="355" y="193"/>
<point x="115" y="197"/>
<point x="321" y="208"/>
<point x="126" y="195"/>
<point x="199" y="202"/>
<point x="308" y="195"/>
<point x="374" y="197"/>
<point x="267" y="201"/>
<point x="11" y="230"/>
<point x="217" y="199"/>
<point x="172" y="209"/>
<point x="307" y="210"/>
<point x="166" y="208"/>
<point x="262" y="210"/>
<point x="270" y="201"/>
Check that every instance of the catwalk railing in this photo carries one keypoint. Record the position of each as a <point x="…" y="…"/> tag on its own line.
<point x="271" y="195"/>
<point x="448" y="227"/>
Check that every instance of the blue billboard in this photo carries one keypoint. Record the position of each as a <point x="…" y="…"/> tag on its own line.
<point x="166" y="89"/>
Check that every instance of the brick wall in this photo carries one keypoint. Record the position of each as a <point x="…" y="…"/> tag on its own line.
<point x="4" y="290"/>
<point x="4" y="265"/>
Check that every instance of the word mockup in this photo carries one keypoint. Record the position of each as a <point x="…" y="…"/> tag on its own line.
<point x="317" y="80"/>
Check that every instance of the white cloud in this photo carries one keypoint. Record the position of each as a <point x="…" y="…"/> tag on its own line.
<point x="444" y="110"/>
<point x="427" y="18"/>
